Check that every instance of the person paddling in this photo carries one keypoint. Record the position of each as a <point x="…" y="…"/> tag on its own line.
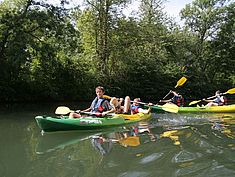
<point x="98" y="105"/>
<point x="177" y="99"/>
<point x="136" y="108"/>
<point x="218" y="101"/>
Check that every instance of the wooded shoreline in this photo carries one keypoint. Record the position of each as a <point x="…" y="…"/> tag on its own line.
<point x="51" y="53"/>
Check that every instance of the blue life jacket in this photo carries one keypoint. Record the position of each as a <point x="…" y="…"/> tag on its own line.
<point x="178" y="100"/>
<point x="218" y="101"/>
<point x="134" y="109"/>
<point x="96" y="105"/>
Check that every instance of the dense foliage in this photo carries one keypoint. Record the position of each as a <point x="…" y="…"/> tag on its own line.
<point x="50" y="52"/>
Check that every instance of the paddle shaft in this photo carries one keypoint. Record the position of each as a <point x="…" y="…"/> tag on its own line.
<point x="139" y="102"/>
<point x="166" y="107"/>
<point x="215" y="96"/>
<point x="94" y="114"/>
<point x="179" y="83"/>
<point x="65" y="110"/>
<point x="167" y="95"/>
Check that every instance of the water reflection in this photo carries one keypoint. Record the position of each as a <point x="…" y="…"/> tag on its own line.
<point x="145" y="132"/>
<point x="60" y="140"/>
<point x="103" y="145"/>
<point x="128" y="136"/>
<point x="167" y="145"/>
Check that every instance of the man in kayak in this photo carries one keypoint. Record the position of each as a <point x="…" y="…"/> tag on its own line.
<point x="99" y="105"/>
<point x="218" y="101"/>
<point x="177" y="99"/>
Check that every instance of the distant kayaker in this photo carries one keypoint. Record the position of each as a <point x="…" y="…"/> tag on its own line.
<point x="98" y="105"/>
<point x="218" y="101"/>
<point x="177" y="99"/>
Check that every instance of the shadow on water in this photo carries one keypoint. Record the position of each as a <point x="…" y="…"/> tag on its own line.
<point x="167" y="145"/>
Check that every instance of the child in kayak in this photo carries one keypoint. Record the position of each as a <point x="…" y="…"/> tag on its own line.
<point x="136" y="108"/>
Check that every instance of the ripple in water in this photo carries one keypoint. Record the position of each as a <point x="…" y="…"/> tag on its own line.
<point x="150" y="158"/>
<point x="184" y="156"/>
<point x="134" y="174"/>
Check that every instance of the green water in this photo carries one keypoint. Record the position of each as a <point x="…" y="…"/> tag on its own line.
<point x="200" y="145"/>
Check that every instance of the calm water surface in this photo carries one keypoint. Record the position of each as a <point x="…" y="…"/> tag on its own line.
<point x="200" y="145"/>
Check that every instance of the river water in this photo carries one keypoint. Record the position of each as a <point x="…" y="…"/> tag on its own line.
<point x="168" y="145"/>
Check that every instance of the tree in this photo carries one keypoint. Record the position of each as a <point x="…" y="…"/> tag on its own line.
<point x="223" y="48"/>
<point x="96" y="24"/>
<point x="204" y="19"/>
<point x="38" y="40"/>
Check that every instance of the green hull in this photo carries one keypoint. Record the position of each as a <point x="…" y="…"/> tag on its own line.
<point x="212" y="109"/>
<point x="49" y="124"/>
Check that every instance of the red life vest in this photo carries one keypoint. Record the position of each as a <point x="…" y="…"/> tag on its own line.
<point x="97" y="105"/>
<point x="134" y="109"/>
<point x="178" y="100"/>
<point x="225" y="101"/>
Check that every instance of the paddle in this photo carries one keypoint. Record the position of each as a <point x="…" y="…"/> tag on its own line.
<point x="130" y="141"/>
<point x="62" y="110"/>
<point x="107" y="97"/>
<point x="179" y="83"/>
<point x="230" y="91"/>
<point x="168" y="107"/>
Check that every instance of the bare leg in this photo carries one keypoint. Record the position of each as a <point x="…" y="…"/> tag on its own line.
<point x="212" y="104"/>
<point x="127" y="104"/>
<point x="74" y="115"/>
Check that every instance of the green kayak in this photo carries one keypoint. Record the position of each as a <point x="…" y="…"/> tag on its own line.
<point x="216" y="109"/>
<point x="49" y="124"/>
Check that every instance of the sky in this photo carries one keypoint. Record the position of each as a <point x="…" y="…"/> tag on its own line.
<point x="172" y="7"/>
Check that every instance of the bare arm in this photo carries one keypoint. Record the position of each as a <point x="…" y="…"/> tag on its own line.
<point x="145" y="111"/>
<point x="87" y="110"/>
<point x="165" y="101"/>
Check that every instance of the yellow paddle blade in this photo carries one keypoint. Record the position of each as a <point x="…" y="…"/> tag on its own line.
<point x="169" y="133"/>
<point x="107" y="97"/>
<point x="130" y="141"/>
<point x="181" y="81"/>
<point x="231" y="91"/>
<point x="62" y="110"/>
<point x="168" y="107"/>
<point x="194" y="102"/>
